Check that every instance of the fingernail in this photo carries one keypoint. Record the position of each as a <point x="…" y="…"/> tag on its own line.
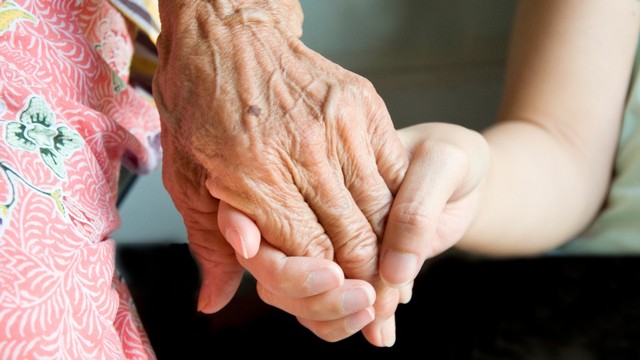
<point x="360" y="319"/>
<point x="357" y="298"/>
<point x="324" y="279"/>
<point x="398" y="269"/>
<point x="388" y="332"/>
<point x="236" y="240"/>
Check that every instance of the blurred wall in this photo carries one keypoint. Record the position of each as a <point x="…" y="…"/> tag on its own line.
<point x="430" y="60"/>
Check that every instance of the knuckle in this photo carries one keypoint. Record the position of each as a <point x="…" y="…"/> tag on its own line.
<point x="335" y="202"/>
<point x="365" y="84"/>
<point x="287" y="223"/>
<point x="358" y="256"/>
<point x="375" y="205"/>
<point x="319" y="246"/>
<point x="370" y="94"/>
<point x="442" y="153"/>
<point x="301" y="238"/>
<point x="412" y="216"/>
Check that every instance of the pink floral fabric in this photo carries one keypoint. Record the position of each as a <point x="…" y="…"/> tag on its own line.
<point x="68" y="121"/>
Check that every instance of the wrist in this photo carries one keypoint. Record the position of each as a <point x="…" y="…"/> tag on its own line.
<point x="284" y="15"/>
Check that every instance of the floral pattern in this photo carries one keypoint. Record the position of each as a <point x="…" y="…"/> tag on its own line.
<point x="37" y="131"/>
<point x="68" y="122"/>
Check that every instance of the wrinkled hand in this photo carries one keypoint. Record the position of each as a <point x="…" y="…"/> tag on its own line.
<point x="435" y="205"/>
<point x="305" y="148"/>
<point x="311" y="288"/>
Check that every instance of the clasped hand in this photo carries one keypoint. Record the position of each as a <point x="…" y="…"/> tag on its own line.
<point x="306" y="152"/>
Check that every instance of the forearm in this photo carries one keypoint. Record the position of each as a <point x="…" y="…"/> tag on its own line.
<point x="553" y="147"/>
<point x="285" y="14"/>
<point x="537" y="193"/>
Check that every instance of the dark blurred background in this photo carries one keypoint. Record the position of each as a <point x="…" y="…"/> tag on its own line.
<point x="582" y="308"/>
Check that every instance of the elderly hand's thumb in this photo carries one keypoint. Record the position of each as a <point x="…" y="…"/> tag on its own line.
<point x="220" y="277"/>
<point x="221" y="273"/>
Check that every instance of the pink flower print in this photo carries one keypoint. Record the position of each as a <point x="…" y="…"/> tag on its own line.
<point x="36" y="131"/>
<point x="113" y="45"/>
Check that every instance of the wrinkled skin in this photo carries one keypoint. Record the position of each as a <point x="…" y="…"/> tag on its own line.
<point x="304" y="148"/>
<point x="433" y="208"/>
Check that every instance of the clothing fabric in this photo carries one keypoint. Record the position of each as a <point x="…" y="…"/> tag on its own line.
<point x="616" y="231"/>
<point x="69" y="120"/>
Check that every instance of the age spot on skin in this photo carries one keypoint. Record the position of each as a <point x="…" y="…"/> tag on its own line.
<point x="254" y="110"/>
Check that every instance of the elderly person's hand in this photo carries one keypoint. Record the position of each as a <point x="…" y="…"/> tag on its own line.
<point x="435" y="206"/>
<point x="305" y="148"/>
<point x="311" y="288"/>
